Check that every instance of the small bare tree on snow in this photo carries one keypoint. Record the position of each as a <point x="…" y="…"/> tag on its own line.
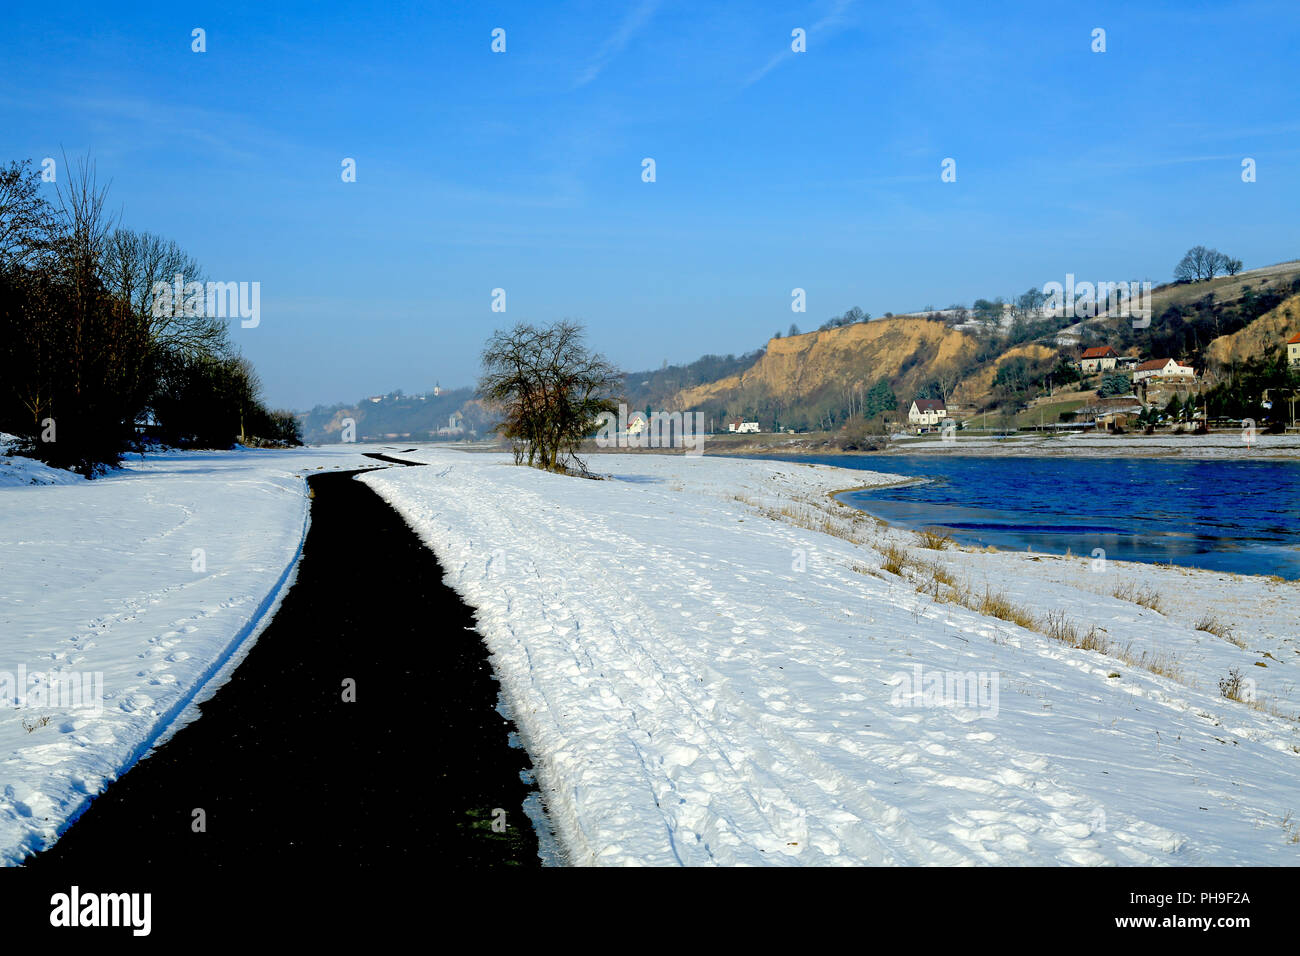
<point x="550" y="390"/>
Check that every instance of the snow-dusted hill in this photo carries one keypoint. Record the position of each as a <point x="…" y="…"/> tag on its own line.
<point x="702" y="679"/>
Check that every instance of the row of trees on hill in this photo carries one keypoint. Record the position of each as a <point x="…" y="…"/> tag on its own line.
<point x="1201" y="263"/>
<point x="86" y="361"/>
<point x="1183" y="331"/>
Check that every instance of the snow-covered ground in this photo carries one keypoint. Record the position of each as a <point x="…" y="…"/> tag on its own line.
<point x="16" y="470"/>
<point x="699" y="675"/>
<point x="700" y="678"/>
<point x="147" y="585"/>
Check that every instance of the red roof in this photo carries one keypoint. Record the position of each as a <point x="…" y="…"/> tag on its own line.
<point x="1153" y="364"/>
<point x="930" y="405"/>
<point x="1100" y="351"/>
<point x="1156" y="364"/>
<point x="1294" y="340"/>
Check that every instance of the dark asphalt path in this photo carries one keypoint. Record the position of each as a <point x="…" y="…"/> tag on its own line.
<point x="288" y="774"/>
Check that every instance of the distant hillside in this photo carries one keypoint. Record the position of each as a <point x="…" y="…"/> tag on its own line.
<point x="801" y="378"/>
<point x="1226" y="289"/>
<point x="659" y="387"/>
<point x="976" y="388"/>
<point x="1188" y="316"/>
<point x="992" y="356"/>
<point x="426" y="417"/>
<point x="1272" y="328"/>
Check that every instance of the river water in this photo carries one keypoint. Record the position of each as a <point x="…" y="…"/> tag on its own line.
<point x="1238" y="516"/>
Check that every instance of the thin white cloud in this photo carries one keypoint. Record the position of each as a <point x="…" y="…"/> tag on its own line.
<point x="125" y="123"/>
<point x="636" y="18"/>
<point x="827" y="26"/>
<point x="1165" y="161"/>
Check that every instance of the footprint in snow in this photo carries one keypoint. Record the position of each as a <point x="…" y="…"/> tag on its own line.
<point x="136" y="703"/>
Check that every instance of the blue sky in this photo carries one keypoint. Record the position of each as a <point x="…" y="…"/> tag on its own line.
<point x="775" y="169"/>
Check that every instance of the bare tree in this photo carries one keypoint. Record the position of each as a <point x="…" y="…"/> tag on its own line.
<point x="549" y="389"/>
<point x="134" y="263"/>
<point x="26" y="219"/>
<point x="29" y="314"/>
<point x="73" y="354"/>
<point x="947" y="377"/>
<point x="1214" y="263"/>
<point x="84" y="225"/>
<point x="1030" y="304"/>
<point x="1201" y="262"/>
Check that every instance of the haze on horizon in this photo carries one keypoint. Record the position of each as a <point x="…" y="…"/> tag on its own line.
<point x="523" y="170"/>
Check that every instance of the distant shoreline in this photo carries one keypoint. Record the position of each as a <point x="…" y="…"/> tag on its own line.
<point x="1216" y="445"/>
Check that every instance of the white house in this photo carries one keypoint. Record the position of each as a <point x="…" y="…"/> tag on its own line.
<point x="740" y="427"/>
<point x="927" y="411"/>
<point x="1163" y="368"/>
<point x="1098" y="359"/>
<point x="455" y="425"/>
<point x="1293" y="349"/>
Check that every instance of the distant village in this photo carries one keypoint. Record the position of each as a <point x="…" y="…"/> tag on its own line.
<point x="439" y="414"/>
<point x="1114" y="393"/>
<point x="1163" y="393"/>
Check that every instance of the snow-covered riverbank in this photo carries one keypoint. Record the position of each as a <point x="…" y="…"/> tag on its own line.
<point x="147" y="586"/>
<point x="705" y="657"/>
<point x="703" y="678"/>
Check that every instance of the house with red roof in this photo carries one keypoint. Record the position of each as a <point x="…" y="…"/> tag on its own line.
<point x="1098" y="359"/>
<point x="1293" y="350"/>
<point x="927" y="411"/>
<point x="1163" y="369"/>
